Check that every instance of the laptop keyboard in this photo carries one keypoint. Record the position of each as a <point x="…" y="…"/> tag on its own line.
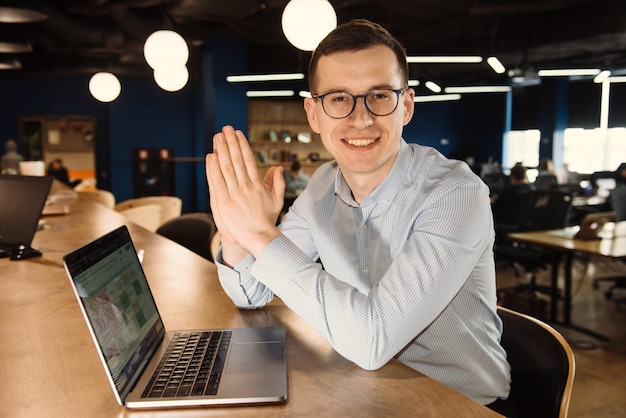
<point x="191" y="366"/>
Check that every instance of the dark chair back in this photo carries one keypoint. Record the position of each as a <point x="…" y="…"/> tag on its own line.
<point x="510" y="212"/>
<point x="542" y="366"/>
<point x="191" y="230"/>
<point x="550" y="210"/>
<point x="618" y="203"/>
<point x="546" y="182"/>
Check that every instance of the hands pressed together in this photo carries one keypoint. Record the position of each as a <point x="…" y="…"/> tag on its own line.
<point x="245" y="208"/>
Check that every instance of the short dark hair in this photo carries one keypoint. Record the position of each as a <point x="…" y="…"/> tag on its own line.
<point x="357" y="35"/>
<point x="518" y="172"/>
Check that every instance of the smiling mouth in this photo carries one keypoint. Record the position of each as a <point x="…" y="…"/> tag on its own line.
<point x="360" y="142"/>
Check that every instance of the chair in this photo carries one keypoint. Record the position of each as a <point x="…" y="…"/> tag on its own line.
<point x="546" y="182"/>
<point x="171" y="206"/>
<point x="147" y="216"/>
<point x="101" y="196"/>
<point x="618" y="203"/>
<point x="542" y="366"/>
<point x="191" y="230"/>
<point x="539" y="210"/>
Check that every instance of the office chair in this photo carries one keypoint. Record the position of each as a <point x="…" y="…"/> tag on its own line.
<point x="171" y="206"/>
<point x="546" y="182"/>
<point x="542" y="366"/>
<point x="147" y="216"/>
<point x="104" y="197"/>
<point x="534" y="211"/>
<point x="618" y="203"/>
<point x="530" y="211"/>
<point x="193" y="231"/>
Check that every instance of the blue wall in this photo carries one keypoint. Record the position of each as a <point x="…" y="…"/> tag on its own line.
<point x="472" y="126"/>
<point x="146" y="116"/>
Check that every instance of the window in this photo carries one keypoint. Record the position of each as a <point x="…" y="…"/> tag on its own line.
<point x="590" y="150"/>
<point x="521" y="146"/>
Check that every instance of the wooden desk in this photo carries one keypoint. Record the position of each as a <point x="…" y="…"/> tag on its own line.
<point x="50" y="368"/>
<point x="567" y="247"/>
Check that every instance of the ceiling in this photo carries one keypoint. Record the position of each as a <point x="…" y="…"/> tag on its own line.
<point x="85" y="36"/>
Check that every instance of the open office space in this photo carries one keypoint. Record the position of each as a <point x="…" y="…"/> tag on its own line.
<point x="151" y="141"/>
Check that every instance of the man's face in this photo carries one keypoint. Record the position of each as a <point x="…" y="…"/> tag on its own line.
<point x="362" y="143"/>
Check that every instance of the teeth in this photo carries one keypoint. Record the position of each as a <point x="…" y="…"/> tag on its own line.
<point x="360" y="142"/>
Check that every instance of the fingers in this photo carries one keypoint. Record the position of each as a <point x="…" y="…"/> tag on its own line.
<point x="236" y="159"/>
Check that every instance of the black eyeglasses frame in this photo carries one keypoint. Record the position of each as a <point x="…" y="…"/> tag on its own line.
<point x="398" y="92"/>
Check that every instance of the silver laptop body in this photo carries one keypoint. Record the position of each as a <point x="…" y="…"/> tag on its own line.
<point x="122" y="317"/>
<point x="594" y="226"/>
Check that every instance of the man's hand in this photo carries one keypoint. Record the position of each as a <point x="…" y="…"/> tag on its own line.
<point x="245" y="208"/>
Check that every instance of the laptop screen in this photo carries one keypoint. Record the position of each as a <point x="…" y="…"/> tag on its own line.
<point x="22" y="199"/>
<point x="116" y="300"/>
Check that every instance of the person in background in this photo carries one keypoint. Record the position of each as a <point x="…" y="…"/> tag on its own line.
<point x="10" y="162"/>
<point x="618" y="194"/>
<point x="546" y="179"/>
<point x="59" y="172"/>
<point x="545" y="167"/>
<point x="388" y="251"/>
<point x="507" y="207"/>
<point x="295" y="179"/>
<point x="518" y="180"/>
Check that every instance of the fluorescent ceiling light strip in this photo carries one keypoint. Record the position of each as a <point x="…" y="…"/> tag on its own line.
<point x="618" y="79"/>
<point x="603" y="76"/>
<point x="496" y="65"/>
<point x="264" y="77"/>
<point x="436" y="98"/>
<point x="270" y="93"/>
<point x="305" y="94"/>
<point x="478" y="89"/>
<point x="432" y="86"/>
<point x="413" y="83"/>
<point x="568" y="72"/>
<point x="444" y="59"/>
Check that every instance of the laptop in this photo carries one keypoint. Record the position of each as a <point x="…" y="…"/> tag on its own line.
<point x="594" y="226"/>
<point x="148" y="367"/>
<point x="22" y="199"/>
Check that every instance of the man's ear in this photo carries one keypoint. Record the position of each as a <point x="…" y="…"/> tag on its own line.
<point x="310" y="106"/>
<point x="409" y="105"/>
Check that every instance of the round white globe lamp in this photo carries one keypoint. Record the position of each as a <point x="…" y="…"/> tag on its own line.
<point x="306" y="22"/>
<point x="105" y="87"/>
<point x="171" y="78"/>
<point x="165" y="47"/>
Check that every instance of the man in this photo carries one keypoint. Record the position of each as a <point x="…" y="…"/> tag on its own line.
<point x="403" y="236"/>
<point x="10" y="161"/>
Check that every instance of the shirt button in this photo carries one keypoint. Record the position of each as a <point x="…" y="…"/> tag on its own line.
<point x="366" y="270"/>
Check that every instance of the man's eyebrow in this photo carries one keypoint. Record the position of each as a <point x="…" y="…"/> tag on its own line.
<point x="345" y="90"/>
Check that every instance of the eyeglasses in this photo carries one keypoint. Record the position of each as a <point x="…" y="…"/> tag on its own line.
<point x="379" y="102"/>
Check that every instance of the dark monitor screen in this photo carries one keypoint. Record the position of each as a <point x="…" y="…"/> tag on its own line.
<point x="22" y="199"/>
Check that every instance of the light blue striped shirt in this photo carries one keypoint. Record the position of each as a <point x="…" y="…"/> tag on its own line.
<point x="409" y="273"/>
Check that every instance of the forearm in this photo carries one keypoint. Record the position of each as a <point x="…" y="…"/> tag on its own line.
<point x="368" y="329"/>
<point x="237" y="282"/>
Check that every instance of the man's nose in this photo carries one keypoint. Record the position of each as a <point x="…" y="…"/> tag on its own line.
<point x="361" y="116"/>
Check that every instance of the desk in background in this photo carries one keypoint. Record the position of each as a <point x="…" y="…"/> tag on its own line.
<point x="50" y="368"/>
<point x="567" y="247"/>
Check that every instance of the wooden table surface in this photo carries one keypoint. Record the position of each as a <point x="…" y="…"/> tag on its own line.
<point x="50" y="368"/>
<point x="611" y="248"/>
<point x="614" y="248"/>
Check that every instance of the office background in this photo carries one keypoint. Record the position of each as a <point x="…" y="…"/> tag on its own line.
<point x="146" y="116"/>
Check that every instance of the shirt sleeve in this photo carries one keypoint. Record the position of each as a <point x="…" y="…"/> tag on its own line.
<point x="444" y="245"/>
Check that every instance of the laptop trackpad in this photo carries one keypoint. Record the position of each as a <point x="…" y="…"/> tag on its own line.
<point x="246" y="358"/>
